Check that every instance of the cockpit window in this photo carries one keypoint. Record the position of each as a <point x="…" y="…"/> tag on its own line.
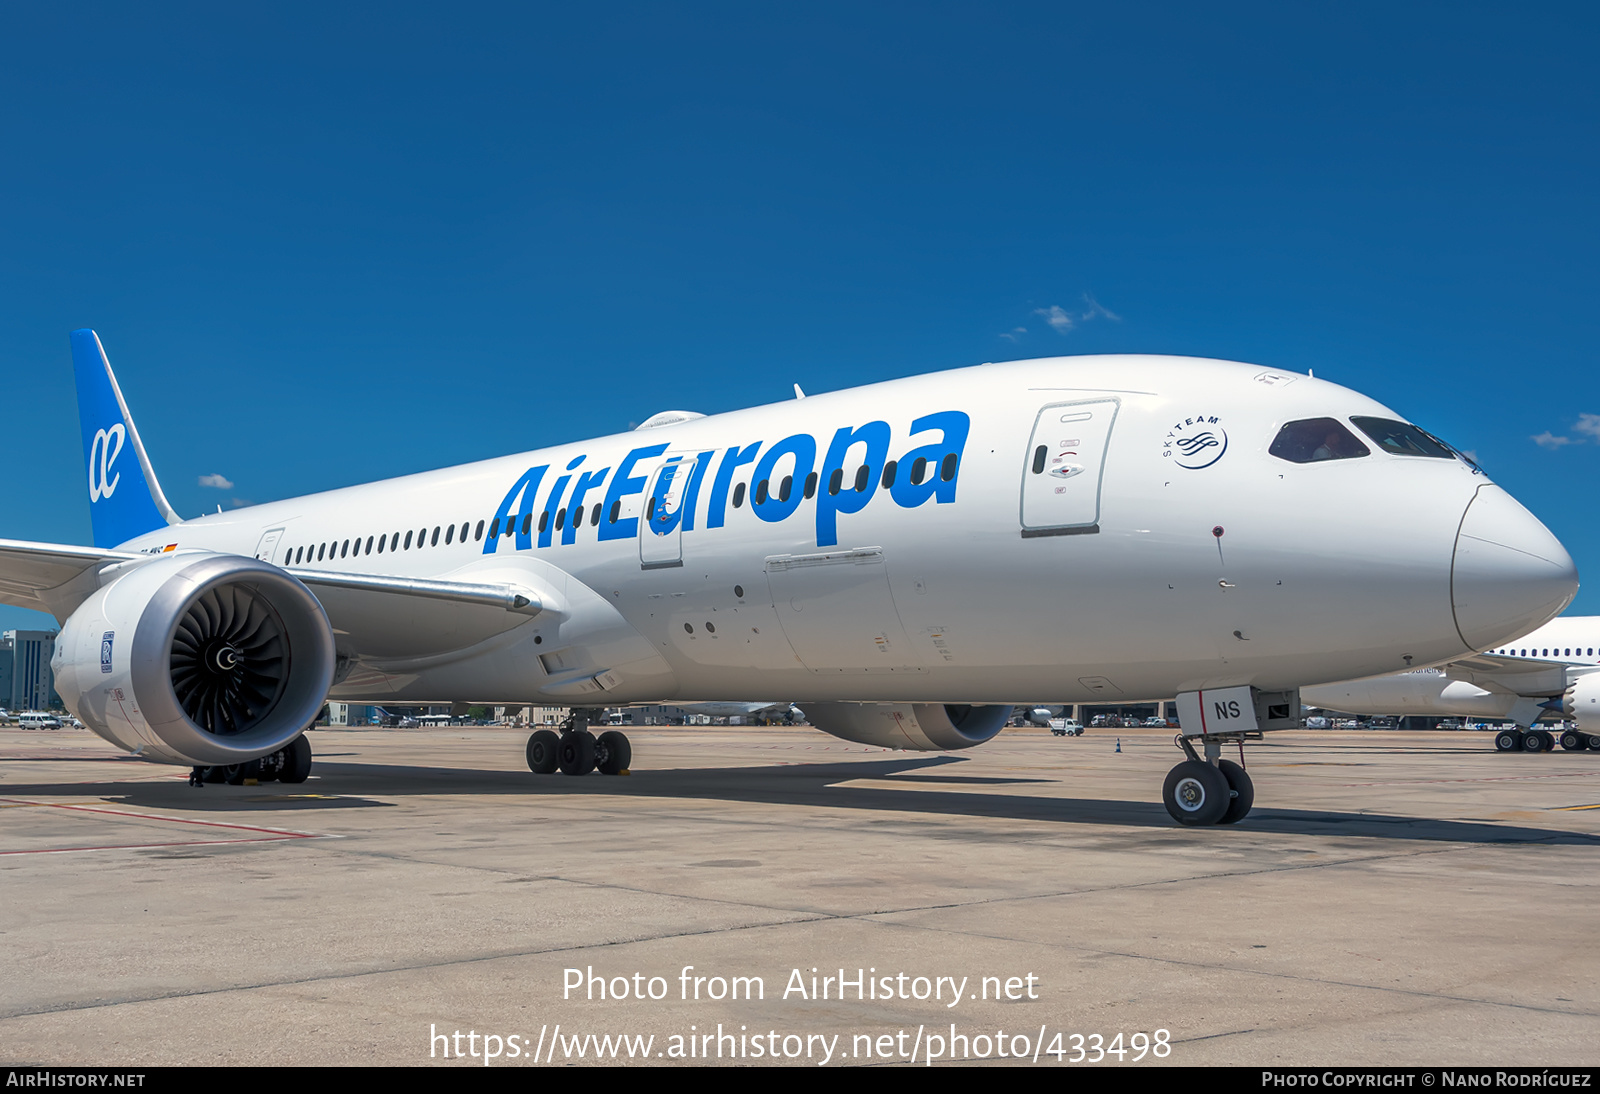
<point x="1402" y="439"/>
<point x="1316" y="439"/>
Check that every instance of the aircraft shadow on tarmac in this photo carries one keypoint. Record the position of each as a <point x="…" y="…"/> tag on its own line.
<point x="821" y="785"/>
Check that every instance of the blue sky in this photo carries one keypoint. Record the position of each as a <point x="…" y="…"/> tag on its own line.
<point x="326" y="244"/>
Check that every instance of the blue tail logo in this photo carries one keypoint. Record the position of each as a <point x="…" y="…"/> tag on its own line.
<point x="125" y="500"/>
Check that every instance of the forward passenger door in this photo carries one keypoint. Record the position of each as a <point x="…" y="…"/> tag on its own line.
<point x="1061" y="482"/>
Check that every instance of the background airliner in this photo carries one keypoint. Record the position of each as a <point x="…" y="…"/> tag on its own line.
<point x="1551" y="673"/>
<point x="906" y="560"/>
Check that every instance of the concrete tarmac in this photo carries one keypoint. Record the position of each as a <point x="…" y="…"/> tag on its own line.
<point x="1394" y="898"/>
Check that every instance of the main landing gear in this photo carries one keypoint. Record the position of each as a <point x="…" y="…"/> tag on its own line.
<point x="1210" y="790"/>
<point x="290" y="764"/>
<point x="1542" y="740"/>
<point x="576" y="751"/>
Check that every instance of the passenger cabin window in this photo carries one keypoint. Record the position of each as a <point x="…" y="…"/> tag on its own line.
<point x="408" y="541"/>
<point x="888" y="474"/>
<point x="738" y="495"/>
<point x="1401" y="439"/>
<point x="1313" y="440"/>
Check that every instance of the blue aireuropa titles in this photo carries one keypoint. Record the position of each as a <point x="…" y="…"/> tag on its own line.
<point x="785" y="467"/>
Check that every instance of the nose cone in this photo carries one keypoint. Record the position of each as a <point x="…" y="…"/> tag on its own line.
<point x="1509" y="574"/>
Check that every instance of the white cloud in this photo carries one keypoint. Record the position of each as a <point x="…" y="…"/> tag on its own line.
<point x="1062" y="320"/>
<point x="1011" y="335"/>
<point x="1057" y="317"/>
<point x="1097" y="308"/>
<point x="1590" y="424"/>
<point x="1548" y="439"/>
<point x="216" y="482"/>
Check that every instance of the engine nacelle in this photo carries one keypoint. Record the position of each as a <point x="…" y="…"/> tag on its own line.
<point x="197" y="659"/>
<point x="922" y="727"/>
<point x="1582" y="703"/>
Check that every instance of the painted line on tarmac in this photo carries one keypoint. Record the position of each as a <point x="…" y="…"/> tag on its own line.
<point x="262" y="835"/>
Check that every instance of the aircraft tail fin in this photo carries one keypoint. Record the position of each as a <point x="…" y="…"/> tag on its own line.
<point x="125" y="500"/>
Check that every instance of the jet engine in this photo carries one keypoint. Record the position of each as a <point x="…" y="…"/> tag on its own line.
<point x="197" y="659"/>
<point x="1582" y="703"/>
<point x="935" y="727"/>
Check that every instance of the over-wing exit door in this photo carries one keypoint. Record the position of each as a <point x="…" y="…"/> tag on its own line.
<point x="1066" y="463"/>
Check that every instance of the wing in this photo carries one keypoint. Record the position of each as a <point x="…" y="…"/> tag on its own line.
<point x="374" y="616"/>
<point x="46" y="576"/>
<point x="383" y="618"/>
<point x="1512" y="675"/>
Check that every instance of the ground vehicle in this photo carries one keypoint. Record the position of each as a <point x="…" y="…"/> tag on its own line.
<point x="1066" y="727"/>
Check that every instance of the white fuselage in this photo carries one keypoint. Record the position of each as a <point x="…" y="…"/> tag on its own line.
<point x="1161" y="548"/>
<point x="1574" y="639"/>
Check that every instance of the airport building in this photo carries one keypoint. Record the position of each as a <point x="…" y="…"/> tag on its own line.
<point x="26" y="681"/>
<point x="351" y="714"/>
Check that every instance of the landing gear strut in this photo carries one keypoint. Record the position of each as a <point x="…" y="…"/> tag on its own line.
<point x="1210" y="790"/>
<point x="576" y="751"/>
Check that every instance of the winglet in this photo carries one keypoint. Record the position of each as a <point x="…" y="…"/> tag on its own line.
<point x="118" y="509"/>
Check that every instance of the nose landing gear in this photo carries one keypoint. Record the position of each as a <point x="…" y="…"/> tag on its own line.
<point x="1211" y="790"/>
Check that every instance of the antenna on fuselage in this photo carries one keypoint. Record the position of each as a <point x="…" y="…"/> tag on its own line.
<point x="798" y="394"/>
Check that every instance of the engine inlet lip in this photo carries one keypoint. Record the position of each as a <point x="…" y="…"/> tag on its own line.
<point x="310" y="674"/>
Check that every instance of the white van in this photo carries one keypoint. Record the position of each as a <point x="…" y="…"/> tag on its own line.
<point x="35" y="720"/>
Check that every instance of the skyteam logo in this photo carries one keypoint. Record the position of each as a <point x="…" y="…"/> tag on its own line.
<point x="1196" y="442"/>
<point x="103" y="453"/>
